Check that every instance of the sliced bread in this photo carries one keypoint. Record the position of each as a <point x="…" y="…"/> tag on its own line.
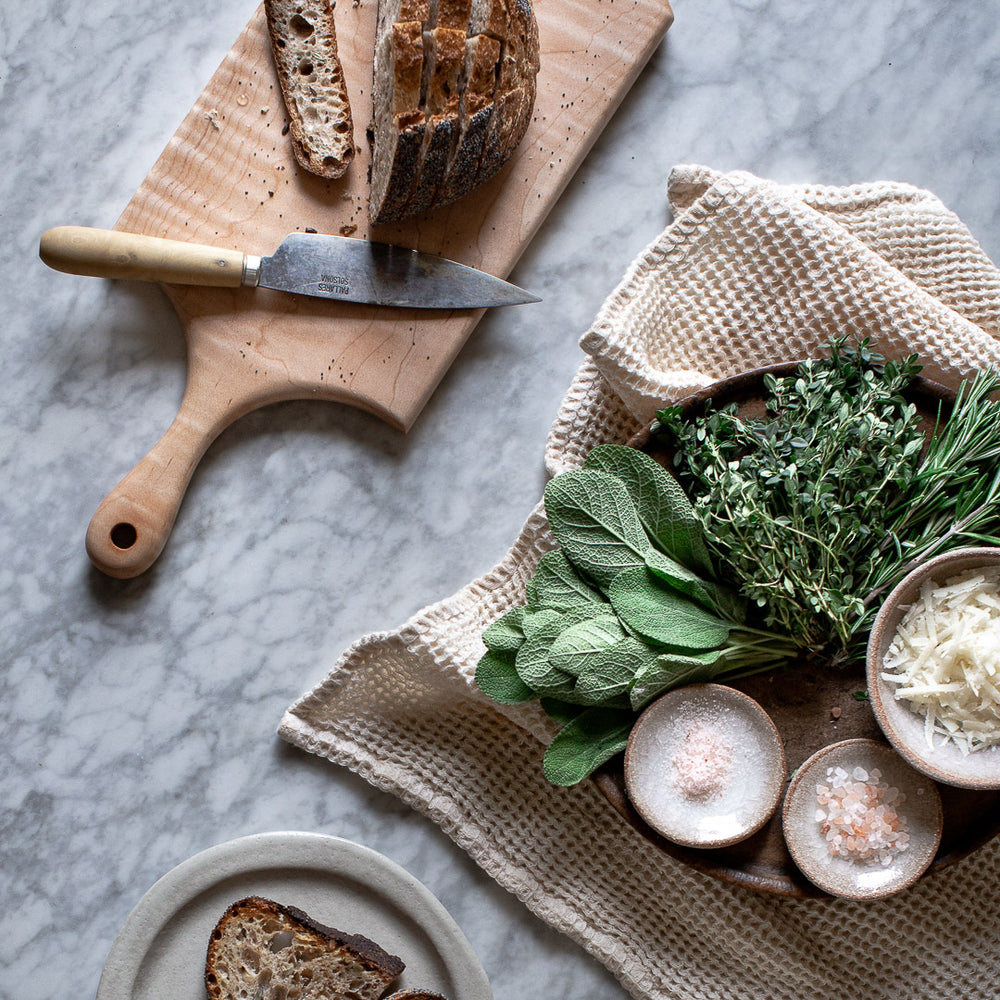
<point x="475" y="114"/>
<point x="399" y="59"/>
<point x="514" y="99"/>
<point x="262" y="950"/>
<point x="304" y="45"/>
<point x="444" y="54"/>
<point x="479" y="60"/>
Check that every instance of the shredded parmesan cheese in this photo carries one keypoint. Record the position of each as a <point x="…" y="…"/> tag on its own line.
<point x="945" y="659"/>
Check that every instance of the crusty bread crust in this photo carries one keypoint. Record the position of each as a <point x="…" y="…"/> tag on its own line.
<point x="479" y="62"/>
<point x="304" y="46"/>
<point x="260" y="948"/>
<point x="515" y="96"/>
<point x="444" y="49"/>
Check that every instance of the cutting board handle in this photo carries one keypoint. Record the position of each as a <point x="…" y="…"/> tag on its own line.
<point x="130" y="527"/>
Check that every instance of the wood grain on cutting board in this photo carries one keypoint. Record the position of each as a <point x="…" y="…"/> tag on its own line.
<point x="228" y="178"/>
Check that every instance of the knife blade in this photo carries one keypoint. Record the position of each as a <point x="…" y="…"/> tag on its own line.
<point x="314" y="264"/>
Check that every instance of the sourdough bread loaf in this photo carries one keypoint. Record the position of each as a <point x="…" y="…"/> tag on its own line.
<point x="440" y="132"/>
<point x="304" y="45"/>
<point x="261" y="950"/>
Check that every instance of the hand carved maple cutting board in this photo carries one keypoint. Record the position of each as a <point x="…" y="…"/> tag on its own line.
<point x="228" y="178"/>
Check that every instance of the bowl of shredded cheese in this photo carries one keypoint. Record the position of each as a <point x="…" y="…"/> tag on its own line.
<point x="933" y="668"/>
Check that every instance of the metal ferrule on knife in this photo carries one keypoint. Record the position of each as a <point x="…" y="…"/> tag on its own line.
<point x="251" y="270"/>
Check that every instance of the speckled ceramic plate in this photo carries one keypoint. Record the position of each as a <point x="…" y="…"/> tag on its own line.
<point x="160" y="951"/>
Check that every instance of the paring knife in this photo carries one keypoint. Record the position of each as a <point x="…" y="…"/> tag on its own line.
<point x="327" y="267"/>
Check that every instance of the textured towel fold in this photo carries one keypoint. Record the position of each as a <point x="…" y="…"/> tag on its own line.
<point x="750" y="272"/>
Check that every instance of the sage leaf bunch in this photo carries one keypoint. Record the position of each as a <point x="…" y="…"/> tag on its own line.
<point x="626" y="607"/>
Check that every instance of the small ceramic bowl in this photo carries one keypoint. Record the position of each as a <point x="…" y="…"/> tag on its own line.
<point x="704" y="766"/>
<point x="848" y="873"/>
<point x="904" y="727"/>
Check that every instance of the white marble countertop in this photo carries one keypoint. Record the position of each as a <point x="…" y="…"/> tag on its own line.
<point x="139" y="717"/>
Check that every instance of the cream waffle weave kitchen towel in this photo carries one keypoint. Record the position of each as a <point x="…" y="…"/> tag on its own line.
<point x="749" y="272"/>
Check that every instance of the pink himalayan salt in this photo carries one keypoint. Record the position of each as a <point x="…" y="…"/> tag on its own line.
<point x="858" y="816"/>
<point x="703" y="764"/>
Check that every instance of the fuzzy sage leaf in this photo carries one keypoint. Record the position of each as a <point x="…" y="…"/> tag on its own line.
<point x="662" y="616"/>
<point x="556" y="584"/>
<point x="596" y="523"/>
<point x="585" y="743"/>
<point x="497" y="677"/>
<point x="663" y="508"/>
<point x="670" y="670"/>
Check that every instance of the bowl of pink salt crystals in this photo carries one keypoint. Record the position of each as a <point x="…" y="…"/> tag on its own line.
<point x="860" y="822"/>
<point x="705" y="766"/>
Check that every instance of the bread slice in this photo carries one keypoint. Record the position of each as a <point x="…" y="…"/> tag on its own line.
<point x="475" y="114"/>
<point x="304" y="45"/>
<point x="261" y="950"/>
<point x="444" y="53"/>
<point x="514" y="99"/>
<point x="400" y="122"/>
<point x="479" y="61"/>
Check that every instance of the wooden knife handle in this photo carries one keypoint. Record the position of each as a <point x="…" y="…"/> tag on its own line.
<point x="107" y="253"/>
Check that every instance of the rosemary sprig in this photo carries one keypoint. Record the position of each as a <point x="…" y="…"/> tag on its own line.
<point x="952" y="500"/>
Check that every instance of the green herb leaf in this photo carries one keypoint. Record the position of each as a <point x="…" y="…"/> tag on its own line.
<point x="556" y="584"/>
<point x="534" y="622"/>
<point x="609" y="676"/>
<point x="662" y="616"/>
<point x="596" y="523"/>
<point x="585" y="743"/>
<point x="707" y="593"/>
<point x="532" y="660"/>
<point x="497" y="677"/>
<point x="662" y="505"/>
<point x="506" y="634"/>
<point x="561" y="711"/>
<point x="533" y="667"/>
<point x="579" y="645"/>
<point x="670" y="670"/>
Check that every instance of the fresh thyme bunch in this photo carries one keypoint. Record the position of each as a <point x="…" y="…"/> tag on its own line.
<point x="802" y="505"/>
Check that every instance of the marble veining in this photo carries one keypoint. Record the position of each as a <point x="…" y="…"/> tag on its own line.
<point x="139" y="717"/>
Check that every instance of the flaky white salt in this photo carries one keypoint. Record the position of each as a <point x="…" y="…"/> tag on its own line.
<point x="702" y="766"/>
<point x="859" y="818"/>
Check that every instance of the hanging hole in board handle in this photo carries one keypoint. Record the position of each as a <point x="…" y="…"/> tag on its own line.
<point x="123" y="535"/>
<point x="130" y="527"/>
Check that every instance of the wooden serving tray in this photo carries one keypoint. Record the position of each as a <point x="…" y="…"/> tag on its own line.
<point x="228" y="178"/>
<point x="800" y="701"/>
